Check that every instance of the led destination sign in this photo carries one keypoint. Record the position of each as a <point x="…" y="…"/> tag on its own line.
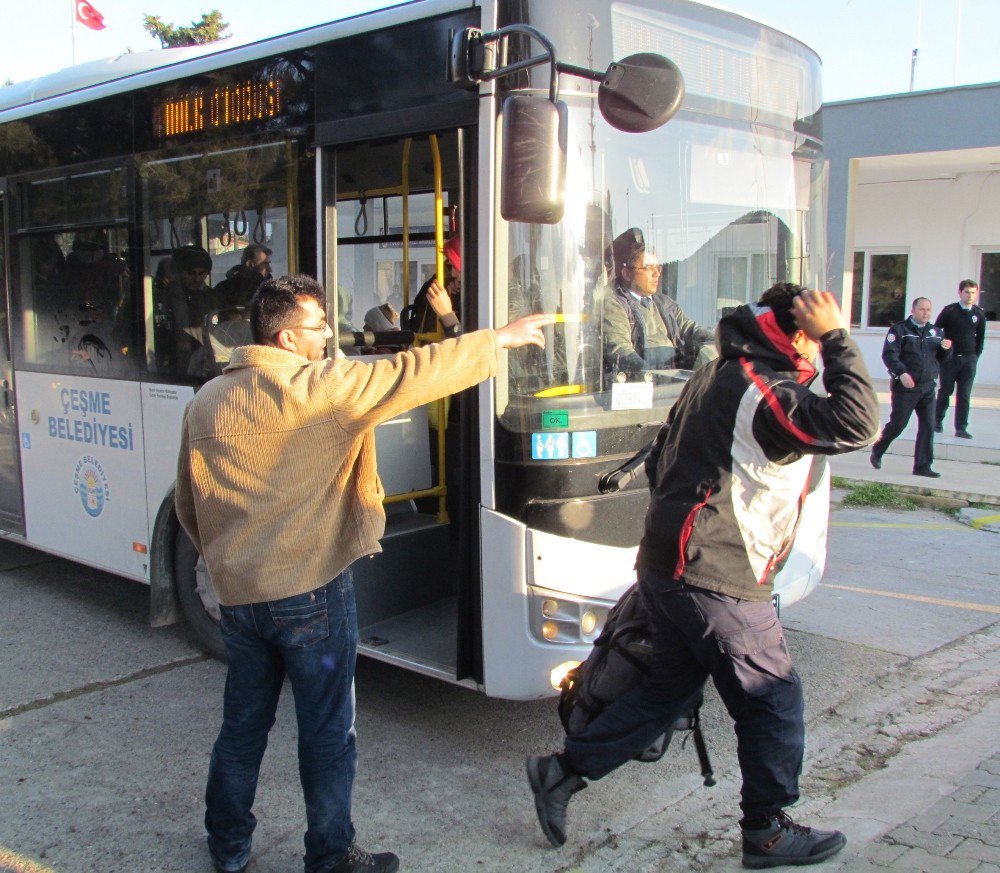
<point x="219" y="107"/>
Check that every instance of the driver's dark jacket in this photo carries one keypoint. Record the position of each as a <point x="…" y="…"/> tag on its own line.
<point x="624" y="337"/>
<point x="909" y="348"/>
<point x="730" y="468"/>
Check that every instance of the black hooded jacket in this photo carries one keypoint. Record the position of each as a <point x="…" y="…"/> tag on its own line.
<point x="730" y="467"/>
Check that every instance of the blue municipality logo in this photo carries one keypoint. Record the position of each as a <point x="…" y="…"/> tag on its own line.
<point x="90" y="483"/>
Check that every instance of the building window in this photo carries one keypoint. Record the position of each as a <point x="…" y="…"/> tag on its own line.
<point x="857" y="289"/>
<point x="881" y="288"/>
<point x="989" y="284"/>
<point x="742" y="279"/>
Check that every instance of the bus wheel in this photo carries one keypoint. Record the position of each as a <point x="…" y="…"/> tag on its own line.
<point x="197" y="599"/>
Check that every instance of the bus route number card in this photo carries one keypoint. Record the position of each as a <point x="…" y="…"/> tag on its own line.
<point x="632" y="395"/>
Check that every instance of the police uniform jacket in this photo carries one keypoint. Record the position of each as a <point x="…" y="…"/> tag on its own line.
<point x="914" y="350"/>
<point x="966" y="328"/>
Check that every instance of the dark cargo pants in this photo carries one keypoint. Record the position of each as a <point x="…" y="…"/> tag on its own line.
<point x="741" y="645"/>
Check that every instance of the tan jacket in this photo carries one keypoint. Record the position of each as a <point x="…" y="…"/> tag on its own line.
<point x="276" y="479"/>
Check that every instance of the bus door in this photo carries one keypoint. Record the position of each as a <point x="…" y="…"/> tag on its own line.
<point x="419" y="601"/>
<point x="11" y="506"/>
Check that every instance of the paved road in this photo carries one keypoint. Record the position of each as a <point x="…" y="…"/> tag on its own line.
<point x="106" y="725"/>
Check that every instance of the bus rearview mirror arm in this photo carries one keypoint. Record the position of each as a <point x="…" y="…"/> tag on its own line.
<point x="636" y="94"/>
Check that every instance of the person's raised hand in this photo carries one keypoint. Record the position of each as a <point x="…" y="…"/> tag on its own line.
<point x="524" y="331"/>
<point x="439" y="299"/>
<point x="817" y="313"/>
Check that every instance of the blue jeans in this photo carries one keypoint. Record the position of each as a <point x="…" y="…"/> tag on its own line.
<point x="313" y="638"/>
<point x="740" y="644"/>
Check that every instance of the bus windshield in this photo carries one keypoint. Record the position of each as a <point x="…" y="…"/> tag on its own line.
<point x="720" y="203"/>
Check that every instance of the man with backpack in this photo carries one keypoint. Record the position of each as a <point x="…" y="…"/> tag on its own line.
<point x="727" y="473"/>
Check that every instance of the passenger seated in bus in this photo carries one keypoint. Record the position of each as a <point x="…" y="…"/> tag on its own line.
<point x="94" y="277"/>
<point x="643" y="329"/>
<point x="242" y="280"/>
<point x="47" y="297"/>
<point x="420" y="316"/>
<point x="98" y="282"/>
<point x="382" y="319"/>
<point x="190" y="300"/>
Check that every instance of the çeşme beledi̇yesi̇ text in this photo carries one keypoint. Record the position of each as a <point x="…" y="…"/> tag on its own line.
<point x="87" y="429"/>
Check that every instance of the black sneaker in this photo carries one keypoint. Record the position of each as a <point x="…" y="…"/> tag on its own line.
<point x="359" y="861"/>
<point x="963" y="434"/>
<point x="553" y="789"/>
<point x="927" y="472"/>
<point x="784" y="842"/>
<point x="938" y="428"/>
<point x="876" y="461"/>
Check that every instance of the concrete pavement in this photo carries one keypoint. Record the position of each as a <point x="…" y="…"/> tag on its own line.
<point x="970" y="469"/>
<point x="945" y="790"/>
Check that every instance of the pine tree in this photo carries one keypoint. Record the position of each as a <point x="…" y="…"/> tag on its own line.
<point x="210" y="29"/>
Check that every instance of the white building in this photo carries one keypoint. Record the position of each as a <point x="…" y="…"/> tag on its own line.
<point x="914" y="207"/>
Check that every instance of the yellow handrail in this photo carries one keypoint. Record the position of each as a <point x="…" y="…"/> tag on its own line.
<point x="406" y="222"/>
<point x="442" y="407"/>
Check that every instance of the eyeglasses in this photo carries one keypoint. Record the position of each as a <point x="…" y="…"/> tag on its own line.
<point x="650" y="268"/>
<point x="323" y="326"/>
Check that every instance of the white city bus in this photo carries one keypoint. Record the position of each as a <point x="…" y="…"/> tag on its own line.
<point x="326" y="146"/>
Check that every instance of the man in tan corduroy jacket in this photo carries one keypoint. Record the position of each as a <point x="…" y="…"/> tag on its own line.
<point x="277" y="488"/>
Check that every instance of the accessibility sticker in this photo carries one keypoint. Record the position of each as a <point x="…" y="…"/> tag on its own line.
<point x="549" y="446"/>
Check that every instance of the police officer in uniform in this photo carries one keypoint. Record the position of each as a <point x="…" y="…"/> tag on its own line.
<point x="964" y="324"/>
<point x="913" y="351"/>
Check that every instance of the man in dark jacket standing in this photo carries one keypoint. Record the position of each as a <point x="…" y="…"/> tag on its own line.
<point x="727" y="471"/>
<point x="913" y="351"/>
<point x="964" y="324"/>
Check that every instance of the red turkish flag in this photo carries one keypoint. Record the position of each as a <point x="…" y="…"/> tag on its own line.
<point x="88" y="16"/>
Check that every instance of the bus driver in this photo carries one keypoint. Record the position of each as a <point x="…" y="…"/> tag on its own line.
<point x="641" y="329"/>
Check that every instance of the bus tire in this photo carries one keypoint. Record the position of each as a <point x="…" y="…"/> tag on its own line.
<point x="203" y="625"/>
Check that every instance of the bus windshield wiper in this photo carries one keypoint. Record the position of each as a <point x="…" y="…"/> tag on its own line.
<point x="618" y="478"/>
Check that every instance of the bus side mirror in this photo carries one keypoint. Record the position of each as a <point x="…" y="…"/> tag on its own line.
<point x="533" y="166"/>
<point x="641" y="92"/>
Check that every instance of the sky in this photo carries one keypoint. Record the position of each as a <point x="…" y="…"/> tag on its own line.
<point x="866" y="45"/>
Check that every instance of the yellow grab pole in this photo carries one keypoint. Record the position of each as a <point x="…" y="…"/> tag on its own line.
<point x="442" y="407"/>
<point x="438" y="210"/>
<point x="406" y="222"/>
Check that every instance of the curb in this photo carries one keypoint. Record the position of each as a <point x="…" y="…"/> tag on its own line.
<point x="934" y="498"/>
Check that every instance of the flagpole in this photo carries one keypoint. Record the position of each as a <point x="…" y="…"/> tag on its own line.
<point x="72" y="33"/>
<point x="958" y="41"/>
<point x="916" y="47"/>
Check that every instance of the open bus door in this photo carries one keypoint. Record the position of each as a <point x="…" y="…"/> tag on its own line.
<point x="11" y="497"/>
<point x="391" y="205"/>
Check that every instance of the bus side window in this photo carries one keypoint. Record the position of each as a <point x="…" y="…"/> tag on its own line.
<point x="97" y="288"/>
<point x="42" y="263"/>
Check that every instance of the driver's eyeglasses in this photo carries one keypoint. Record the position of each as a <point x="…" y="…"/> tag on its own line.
<point x="650" y="268"/>
<point x="321" y="326"/>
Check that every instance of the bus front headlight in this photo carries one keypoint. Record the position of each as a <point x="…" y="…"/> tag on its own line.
<point x="562" y="618"/>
